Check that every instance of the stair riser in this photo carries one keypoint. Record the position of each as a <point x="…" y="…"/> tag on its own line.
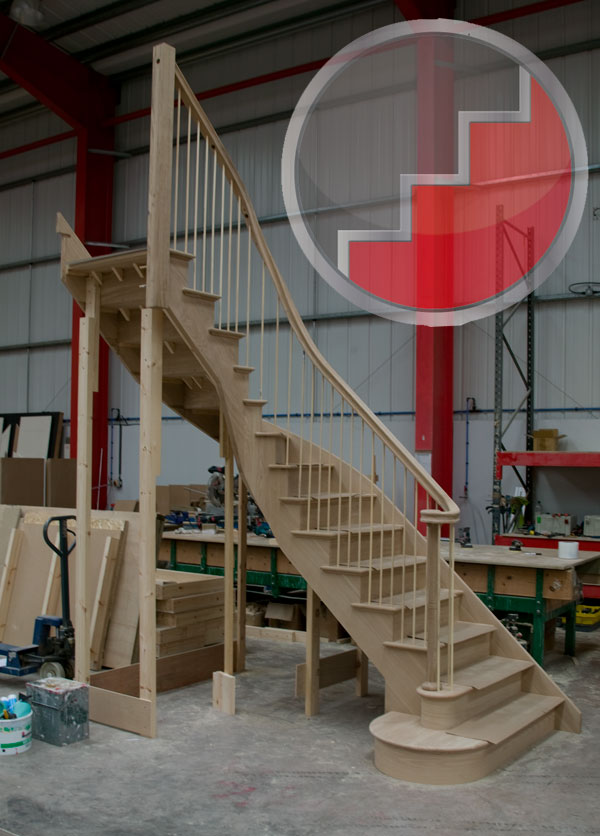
<point x="445" y="713"/>
<point x="294" y="483"/>
<point x="446" y="768"/>
<point x="329" y="513"/>
<point x="398" y="583"/>
<point x="389" y="624"/>
<point x="355" y="547"/>
<point x="468" y="652"/>
<point x="274" y="449"/>
<point x="126" y="294"/>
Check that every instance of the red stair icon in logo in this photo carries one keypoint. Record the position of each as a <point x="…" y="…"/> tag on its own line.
<point x="449" y="258"/>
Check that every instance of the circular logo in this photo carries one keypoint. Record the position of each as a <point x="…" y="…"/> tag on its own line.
<point x="434" y="172"/>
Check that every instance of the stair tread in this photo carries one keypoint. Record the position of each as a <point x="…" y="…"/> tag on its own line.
<point x="230" y="335"/>
<point x="324" y="497"/>
<point x="254" y="401"/>
<point x="102" y="263"/>
<point x="508" y="719"/>
<point x="349" y="529"/>
<point x="463" y="631"/>
<point x="243" y="369"/>
<point x="406" y="600"/>
<point x="296" y="465"/>
<point x="406" y="732"/>
<point x="200" y="295"/>
<point x="363" y="568"/>
<point x="489" y="671"/>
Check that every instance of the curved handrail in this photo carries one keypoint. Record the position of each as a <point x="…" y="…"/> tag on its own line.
<point x="449" y="511"/>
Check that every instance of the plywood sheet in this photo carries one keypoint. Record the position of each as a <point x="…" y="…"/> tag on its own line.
<point x="34" y="437"/>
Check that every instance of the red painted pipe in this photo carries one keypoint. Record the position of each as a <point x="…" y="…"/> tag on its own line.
<point x="40" y="143"/>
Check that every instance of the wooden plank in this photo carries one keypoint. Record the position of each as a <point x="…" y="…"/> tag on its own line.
<point x="173" y="584"/>
<point x="103" y="600"/>
<point x="224" y="692"/>
<point x="276" y="634"/>
<point x="87" y="384"/>
<point x="159" y="182"/>
<point x="332" y="669"/>
<point x="190" y="603"/>
<point x="122" y="711"/>
<point x="560" y="586"/>
<point x="151" y="352"/>
<point x="242" y="560"/>
<point x="168" y="619"/>
<point x="213" y="634"/>
<point x="510" y="580"/>
<point x="312" y="668"/>
<point x="229" y="664"/>
<point x="34" y="437"/>
<point x="172" y="672"/>
<point x="474" y="576"/>
<point x="169" y="635"/>
<point x="9" y="569"/>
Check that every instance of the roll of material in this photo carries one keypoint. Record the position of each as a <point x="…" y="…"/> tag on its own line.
<point x="568" y="550"/>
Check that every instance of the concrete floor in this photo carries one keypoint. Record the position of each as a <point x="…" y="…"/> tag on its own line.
<point x="269" y="771"/>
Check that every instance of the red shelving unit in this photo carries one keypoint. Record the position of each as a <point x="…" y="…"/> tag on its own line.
<point x="540" y="458"/>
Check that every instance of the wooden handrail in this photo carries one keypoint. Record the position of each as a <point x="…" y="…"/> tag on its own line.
<point x="449" y="511"/>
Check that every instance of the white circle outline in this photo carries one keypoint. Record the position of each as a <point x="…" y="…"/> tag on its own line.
<point x="553" y="255"/>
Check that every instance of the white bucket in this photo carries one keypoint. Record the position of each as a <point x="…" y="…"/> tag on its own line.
<point x="15" y="735"/>
<point x="568" y="550"/>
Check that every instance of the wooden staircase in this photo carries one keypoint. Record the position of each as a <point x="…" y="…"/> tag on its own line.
<point x="462" y="696"/>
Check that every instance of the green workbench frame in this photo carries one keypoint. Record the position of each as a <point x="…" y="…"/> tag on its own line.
<point x="275" y="582"/>
<point x="539" y="608"/>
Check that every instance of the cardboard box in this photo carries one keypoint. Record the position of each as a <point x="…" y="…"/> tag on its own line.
<point x="22" y="482"/>
<point x="286" y="616"/>
<point x="546" y="440"/>
<point x="61" y="482"/>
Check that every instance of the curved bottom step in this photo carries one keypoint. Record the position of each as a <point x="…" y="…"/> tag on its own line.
<point x="406" y="750"/>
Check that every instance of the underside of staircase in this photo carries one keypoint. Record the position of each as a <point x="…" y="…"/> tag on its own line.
<point x="357" y="549"/>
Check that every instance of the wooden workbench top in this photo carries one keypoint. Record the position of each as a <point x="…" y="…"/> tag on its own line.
<point x="528" y="557"/>
<point x="213" y="537"/>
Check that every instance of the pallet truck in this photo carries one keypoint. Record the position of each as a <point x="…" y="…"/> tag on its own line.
<point x="51" y="653"/>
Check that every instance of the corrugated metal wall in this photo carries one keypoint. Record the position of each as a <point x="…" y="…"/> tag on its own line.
<point x="375" y="356"/>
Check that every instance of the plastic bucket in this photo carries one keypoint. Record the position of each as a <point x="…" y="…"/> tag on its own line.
<point x="567" y="550"/>
<point x="15" y="735"/>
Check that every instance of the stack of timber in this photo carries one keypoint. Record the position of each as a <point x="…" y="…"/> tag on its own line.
<point x="189" y="611"/>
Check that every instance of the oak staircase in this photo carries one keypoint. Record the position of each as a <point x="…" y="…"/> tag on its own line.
<point x="340" y="493"/>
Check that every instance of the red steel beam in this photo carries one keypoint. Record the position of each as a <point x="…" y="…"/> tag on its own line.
<point x="85" y="100"/>
<point x="522" y="11"/>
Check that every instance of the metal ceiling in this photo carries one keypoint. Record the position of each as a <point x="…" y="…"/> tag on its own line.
<point x="116" y="38"/>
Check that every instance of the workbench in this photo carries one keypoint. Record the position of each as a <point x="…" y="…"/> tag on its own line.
<point x="203" y="551"/>
<point x="535" y="583"/>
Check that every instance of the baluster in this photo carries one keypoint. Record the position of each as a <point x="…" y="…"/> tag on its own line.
<point x="450" y="675"/>
<point x="321" y="410"/>
<point x="414" y="590"/>
<point x="212" y="222"/>
<point x="248" y="288"/>
<point x="222" y="236"/>
<point x="404" y="556"/>
<point x="237" y="264"/>
<point x="382" y="534"/>
<point x="230" y="233"/>
<point x="289" y="396"/>
<point x="330" y="459"/>
<point x="196" y="201"/>
<point x="262" y="332"/>
<point x="187" y="182"/>
<point x="350" y="468"/>
<point x="310" y="445"/>
<point x="360" y="485"/>
<point x="300" y="480"/>
<point x="276" y="382"/>
<point x="339" y="491"/>
<point x="176" y="189"/>
<point x="205" y="207"/>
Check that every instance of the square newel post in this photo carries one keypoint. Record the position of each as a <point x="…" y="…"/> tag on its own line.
<point x="224" y="681"/>
<point x="151" y="357"/>
<point x="88" y="384"/>
<point x="240" y="664"/>
<point x="313" y="652"/>
<point x="432" y="606"/>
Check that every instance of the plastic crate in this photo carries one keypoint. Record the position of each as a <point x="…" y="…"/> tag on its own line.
<point x="586" y="617"/>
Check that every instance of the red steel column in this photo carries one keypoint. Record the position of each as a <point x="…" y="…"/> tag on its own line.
<point x="85" y="100"/>
<point x="435" y="346"/>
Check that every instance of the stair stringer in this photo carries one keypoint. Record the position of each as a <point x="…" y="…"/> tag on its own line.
<point x="404" y="672"/>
